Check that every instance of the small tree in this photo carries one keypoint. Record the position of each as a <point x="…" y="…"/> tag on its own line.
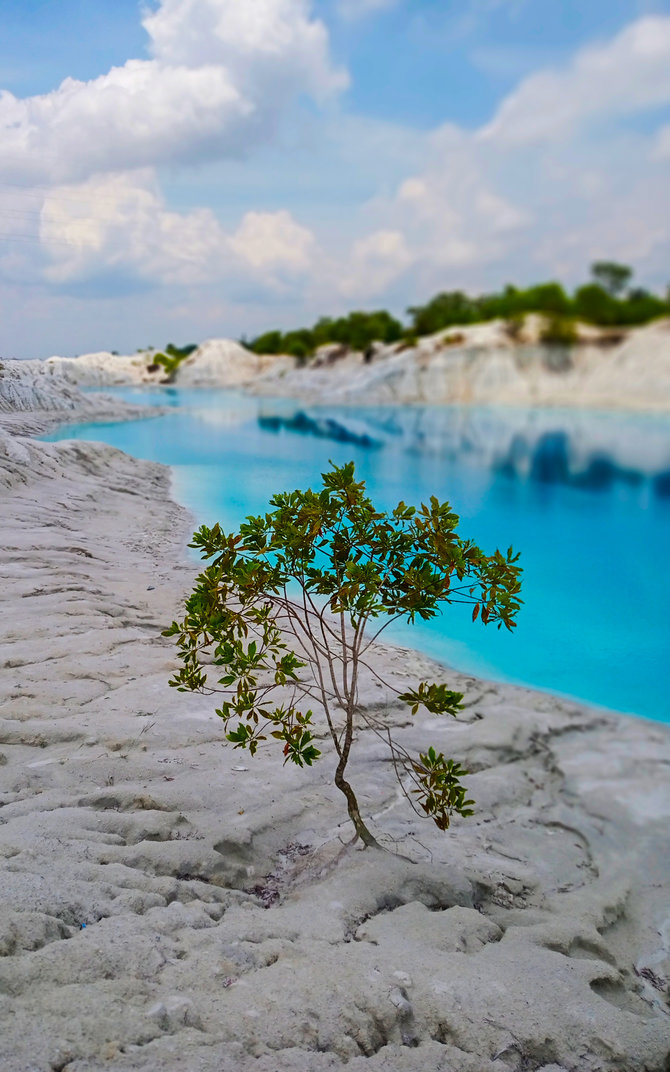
<point x="283" y="614"/>
<point x="612" y="276"/>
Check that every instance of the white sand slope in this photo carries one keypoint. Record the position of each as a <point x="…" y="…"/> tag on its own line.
<point x="482" y="365"/>
<point x="477" y="364"/>
<point x="163" y="909"/>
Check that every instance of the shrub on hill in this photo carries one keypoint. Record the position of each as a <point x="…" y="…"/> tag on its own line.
<point x="559" y="331"/>
<point x="603" y="302"/>
<point x="356" y="331"/>
<point x="170" y="360"/>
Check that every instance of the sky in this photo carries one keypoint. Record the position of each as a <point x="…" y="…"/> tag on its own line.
<point x="177" y="170"/>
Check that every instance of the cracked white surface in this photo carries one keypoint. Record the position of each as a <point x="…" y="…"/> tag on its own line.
<point x="532" y="936"/>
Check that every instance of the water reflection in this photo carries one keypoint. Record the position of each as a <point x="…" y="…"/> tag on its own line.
<point x="319" y="426"/>
<point x="571" y="490"/>
<point x="593" y="452"/>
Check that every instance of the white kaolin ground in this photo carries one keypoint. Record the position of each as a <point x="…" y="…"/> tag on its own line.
<point x="161" y="908"/>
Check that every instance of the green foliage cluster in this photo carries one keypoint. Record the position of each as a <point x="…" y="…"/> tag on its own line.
<point x="559" y="331"/>
<point x="605" y="301"/>
<point x="601" y="302"/>
<point x="172" y="358"/>
<point x="355" y="331"/>
<point x="281" y="620"/>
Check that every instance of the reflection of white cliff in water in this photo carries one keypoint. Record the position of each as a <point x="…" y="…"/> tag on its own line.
<point x="594" y="451"/>
<point x="321" y="427"/>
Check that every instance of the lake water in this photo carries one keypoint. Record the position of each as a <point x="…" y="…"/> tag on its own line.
<point x="584" y="497"/>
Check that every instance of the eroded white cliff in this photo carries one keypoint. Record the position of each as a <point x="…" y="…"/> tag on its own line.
<point x="479" y="364"/>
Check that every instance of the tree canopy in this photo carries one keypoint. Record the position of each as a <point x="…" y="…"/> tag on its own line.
<point x="605" y="301"/>
<point x="285" y="615"/>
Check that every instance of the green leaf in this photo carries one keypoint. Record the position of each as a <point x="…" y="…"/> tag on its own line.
<point x="256" y="626"/>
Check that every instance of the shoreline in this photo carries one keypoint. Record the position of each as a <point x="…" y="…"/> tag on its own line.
<point x="468" y="364"/>
<point x="471" y="669"/>
<point x="534" y="934"/>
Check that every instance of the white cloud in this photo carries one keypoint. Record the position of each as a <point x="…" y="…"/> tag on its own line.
<point x="137" y="115"/>
<point x="376" y="261"/>
<point x="628" y="74"/>
<point x="221" y="74"/>
<point x="267" y="46"/>
<point x="442" y="220"/>
<point x="557" y="179"/>
<point x="119" y="224"/>
<point x="271" y="241"/>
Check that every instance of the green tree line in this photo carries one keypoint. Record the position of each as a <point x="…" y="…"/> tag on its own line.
<point x="608" y="300"/>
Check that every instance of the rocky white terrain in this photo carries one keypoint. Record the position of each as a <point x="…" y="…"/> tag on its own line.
<point x="479" y="364"/>
<point x="32" y="399"/>
<point x="168" y="903"/>
<point x="216" y="363"/>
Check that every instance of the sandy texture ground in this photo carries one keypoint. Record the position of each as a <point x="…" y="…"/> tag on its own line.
<point x="162" y="908"/>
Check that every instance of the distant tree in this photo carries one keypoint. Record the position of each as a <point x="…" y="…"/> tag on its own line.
<point x="595" y="304"/>
<point x="269" y="343"/>
<point x="287" y="603"/>
<point x="612" y="276"/>
<point x="544" y="298"/>
<point x="599" y="302"/>
<point x="443" y="311"/>
<point x="298" y="343"/>
<point x="641" y="306"/>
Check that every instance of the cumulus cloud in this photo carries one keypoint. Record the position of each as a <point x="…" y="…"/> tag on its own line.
<point x="222" y="73"/>
<point x="271" y="241"/>
<point x="136" y="115"/>
<point x="628" y="74"/>
<point x="268" y="46"/>
<point x="376" y="261"/>
<point x="447" y="218"/>
<point x="120" y="224"/>
<point x="557" y="179"/>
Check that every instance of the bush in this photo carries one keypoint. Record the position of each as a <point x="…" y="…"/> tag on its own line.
<point x="443" y="311"/>
<point x="595" y="304"/>
<point x="408" y="342"/>
<point x="599" y="302"/>
<point x="559" y="331"/>
<point x="357" y="331"/>
<point x="641" y="307"/>
<point x="514" y="326"/>
<point x="165" y="361"/>
<point x="287" y="604"/>
<point x="269" y="343"/>
<point x="545" y="298"/>
<point x="170" y="360"/>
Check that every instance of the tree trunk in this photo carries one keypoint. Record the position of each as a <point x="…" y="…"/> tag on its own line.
<point x="354" y="814"/>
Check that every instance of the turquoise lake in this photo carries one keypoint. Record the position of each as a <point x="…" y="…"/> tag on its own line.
<point x="585" y="498"/>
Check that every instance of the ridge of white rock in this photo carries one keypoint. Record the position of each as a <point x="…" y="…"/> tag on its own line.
<point x="224" y="363"/>
<point x="482" y="365"/>
<point x="33" y="399"/>
<point x="161" y="908"/>
<point x="215" y="363"/>
<point x="473" y="364"/>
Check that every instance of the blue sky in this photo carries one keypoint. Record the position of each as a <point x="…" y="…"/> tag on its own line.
<point x="193" y="168"/>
